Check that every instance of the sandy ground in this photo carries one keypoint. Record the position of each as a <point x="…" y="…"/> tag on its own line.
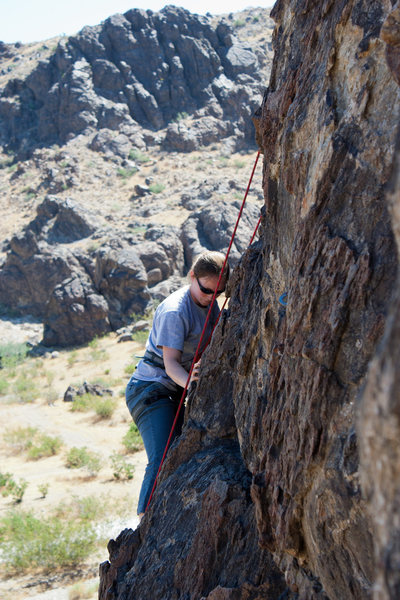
<point x="54" y="417"/>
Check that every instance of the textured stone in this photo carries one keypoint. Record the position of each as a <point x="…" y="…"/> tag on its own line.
<point x="211" y="227"/>
<point x="121" y="278"/>
<point x="75" y="313"/>
<point x="378" y="428"/>
<point x="289" y="392"/>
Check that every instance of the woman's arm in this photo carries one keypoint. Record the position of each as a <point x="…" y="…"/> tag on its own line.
<point x="174" y="369"/>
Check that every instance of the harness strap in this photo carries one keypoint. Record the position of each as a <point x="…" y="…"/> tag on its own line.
<point x="153" y="359"/>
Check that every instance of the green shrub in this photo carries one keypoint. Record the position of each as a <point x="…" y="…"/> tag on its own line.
<point x="98" y="354"/>
<point x="140" y="336"/>
<point x="181" y="115"/>
<point x="4" y="386"/>
<point x="65" y="537"/>
<point x="28" y="439"/>
<point x="104" y="407"/>
<point x="25" y="389"/>
<point x="132" y="440"/>
<point x="86" y="509"/>
<point x="12" y="354"/>
<point x="82" y="403"/>
<point x="20" y="439"/>
<point x="50" y="395"/>
<point x="72" y="358"/>
<point x="7" y="162"/>
<point x="129" y="369"/>
<point x="82" y="458"/>
<point x="94" y="343"/>
<point x="44" y="446"/>
<point x="9" y="487"/>
<point x="44" y="489"/>
<point x="121" y="468"/>
<point x="239" y="23"/>
<point x="138" y="156"/>
<point x="126" y="173"/>
<point x="139" y="229"/>
<point x="156" y="188"/>
<point x="5" y="478"/>
<point x="47" y="542"/>
<point x="239" y="164"/>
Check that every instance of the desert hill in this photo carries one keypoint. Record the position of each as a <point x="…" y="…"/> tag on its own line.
<point x="63" y="202"/>
<point x="89" y="188"/>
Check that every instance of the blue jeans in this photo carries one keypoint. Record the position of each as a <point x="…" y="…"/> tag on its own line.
<point x="153" y="408"/>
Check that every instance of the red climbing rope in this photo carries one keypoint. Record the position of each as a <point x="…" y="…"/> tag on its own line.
<point x="196" y="356"/>
<point x="226" y="299"/>
<point x="255" y="231"/>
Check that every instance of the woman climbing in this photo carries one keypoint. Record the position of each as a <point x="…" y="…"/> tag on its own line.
<point x="155" y="388"/>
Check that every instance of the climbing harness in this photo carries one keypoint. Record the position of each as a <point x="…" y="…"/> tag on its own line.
<point x="197" y="353"/>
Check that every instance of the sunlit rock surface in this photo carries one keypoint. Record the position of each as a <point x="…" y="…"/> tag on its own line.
<point x="289" y="461"/>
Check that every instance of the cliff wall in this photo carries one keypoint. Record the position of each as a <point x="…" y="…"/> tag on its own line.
<point x="287" y="471"/>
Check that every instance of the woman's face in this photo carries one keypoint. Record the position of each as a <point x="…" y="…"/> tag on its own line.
<point x="202" y="288"/>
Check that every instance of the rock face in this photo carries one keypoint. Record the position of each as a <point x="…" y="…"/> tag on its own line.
<point x="140" y="68"/>
<point x="288" y="395"/>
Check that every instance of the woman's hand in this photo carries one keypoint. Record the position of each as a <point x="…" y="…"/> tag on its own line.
<point x="174" y="369"/>
<point x="195" y="372"/>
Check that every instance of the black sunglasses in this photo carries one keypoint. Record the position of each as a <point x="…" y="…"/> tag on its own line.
<point x="207" y="290"/>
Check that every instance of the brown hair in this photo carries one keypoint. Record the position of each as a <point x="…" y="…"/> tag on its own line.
<point x="210" y="263"/>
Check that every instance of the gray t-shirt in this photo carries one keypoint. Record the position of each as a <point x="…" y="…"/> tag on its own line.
<point x="178" y="323"/>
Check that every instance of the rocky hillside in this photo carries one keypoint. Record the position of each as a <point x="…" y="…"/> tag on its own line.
<point x="122" y="147"/>
<point x="135" y="74"/>
<point x="285" y="481"/>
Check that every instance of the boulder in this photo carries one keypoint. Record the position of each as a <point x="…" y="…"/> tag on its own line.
<point x="167" y="240"/>
<point x="63" y="221"/>
<point x="95" y="389"/>
<point x="75" y="313"/>
<point x="141" y="190"/>
<point x="31" y="271"/>
<point x="202" y="132"/>
<point x="155" y="260"/>
<point x="211" y="227"/>
<point x="163" y="289"/>
<point x="109" y="142"/>
<point x="121" y="278"/>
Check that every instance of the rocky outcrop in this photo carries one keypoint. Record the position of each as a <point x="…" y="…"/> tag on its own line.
<point x="75" y="313"/>
<point x="211" y="227"/>
<point x="290" y="391"/>
<point x="137" y="69"/>
<point x="51" y="269"/>
<point x="121" y="278"/>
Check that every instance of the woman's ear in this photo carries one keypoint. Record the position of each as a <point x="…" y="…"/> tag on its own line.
<point x="192" y="275"/>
